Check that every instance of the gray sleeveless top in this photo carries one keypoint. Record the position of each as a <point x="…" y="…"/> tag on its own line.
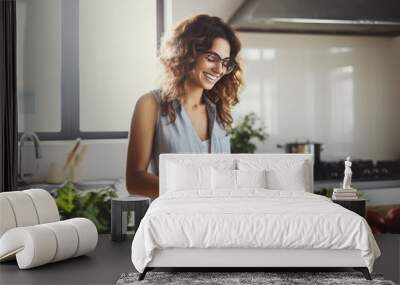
<point x="181" y="137"/>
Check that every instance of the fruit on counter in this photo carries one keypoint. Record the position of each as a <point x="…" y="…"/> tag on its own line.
<point x="392" y="220"/>
<point x="377" y="221"/>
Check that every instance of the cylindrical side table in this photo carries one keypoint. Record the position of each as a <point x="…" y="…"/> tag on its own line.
<point x="122" y="206"/>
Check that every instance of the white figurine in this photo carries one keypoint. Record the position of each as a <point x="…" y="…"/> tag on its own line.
<point x="347" y="174"/>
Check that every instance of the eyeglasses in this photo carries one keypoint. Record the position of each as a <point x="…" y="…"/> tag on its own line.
<point x="228" y="63"/>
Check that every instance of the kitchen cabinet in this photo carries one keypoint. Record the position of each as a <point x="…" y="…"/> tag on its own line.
<point x="357" y="206"/>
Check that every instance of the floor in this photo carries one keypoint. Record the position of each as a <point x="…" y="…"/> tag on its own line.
<point x="111" y="259"/>
<point x="103" y="266"/>
<point x="389" y="262"/>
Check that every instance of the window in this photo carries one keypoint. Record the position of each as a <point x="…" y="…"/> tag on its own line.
<point x="82" y="64"/>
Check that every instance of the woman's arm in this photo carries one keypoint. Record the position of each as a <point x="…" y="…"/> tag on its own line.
<point x="141" y="135"/>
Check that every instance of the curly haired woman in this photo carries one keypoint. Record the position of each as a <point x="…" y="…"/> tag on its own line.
<point x="191" y="111"/>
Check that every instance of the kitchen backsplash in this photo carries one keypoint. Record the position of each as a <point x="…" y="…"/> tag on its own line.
<point x="343" y="91"/>
<point x="105" y="159"/>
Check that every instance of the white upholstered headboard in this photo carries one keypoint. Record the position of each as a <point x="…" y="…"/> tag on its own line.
<point x="214" y="159"/>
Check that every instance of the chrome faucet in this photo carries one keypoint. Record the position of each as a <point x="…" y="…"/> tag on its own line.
<point x="38" y="152"/>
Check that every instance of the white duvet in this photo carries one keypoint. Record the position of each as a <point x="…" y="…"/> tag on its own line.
<point x="250" y="219"/>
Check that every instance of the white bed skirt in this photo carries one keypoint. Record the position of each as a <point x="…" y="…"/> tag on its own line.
<point x="193" y="257"/>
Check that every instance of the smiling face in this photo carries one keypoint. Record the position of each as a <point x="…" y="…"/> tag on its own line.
<point x="207" y="71"/>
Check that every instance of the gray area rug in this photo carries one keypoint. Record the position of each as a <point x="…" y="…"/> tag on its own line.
<point x="229" y="278"/>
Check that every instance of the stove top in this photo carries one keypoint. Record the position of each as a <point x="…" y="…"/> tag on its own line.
<point x="363" y="170"/>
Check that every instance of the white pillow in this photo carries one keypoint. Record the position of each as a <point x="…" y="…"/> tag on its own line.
<point x="291" y="179"/>
<point x="223" y="179"/>
<point x="282" y="174"/>
<point x="181" y="177"/>
<point x="251" y="178"/>
<point x="226" y="179"/>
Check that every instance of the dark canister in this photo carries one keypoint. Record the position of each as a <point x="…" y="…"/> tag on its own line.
<point x="304" y="147"/>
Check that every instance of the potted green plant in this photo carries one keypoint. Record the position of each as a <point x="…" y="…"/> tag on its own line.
<point x="246" y="130"/>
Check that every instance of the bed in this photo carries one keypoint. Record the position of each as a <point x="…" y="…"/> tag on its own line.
<point x="246" y="211"/>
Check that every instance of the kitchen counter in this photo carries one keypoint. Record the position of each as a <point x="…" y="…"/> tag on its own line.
<point x="117" y="185"/>
<point x="360" y="185"/>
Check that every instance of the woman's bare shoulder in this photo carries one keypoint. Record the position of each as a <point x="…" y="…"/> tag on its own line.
<point x="145" y="109"/>
<point x="146" y="105"/>
<point x="147" y="100"/>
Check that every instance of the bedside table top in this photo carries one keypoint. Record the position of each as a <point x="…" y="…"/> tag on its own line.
<point x="131" y="198"/>
<point x="348" y="200"/>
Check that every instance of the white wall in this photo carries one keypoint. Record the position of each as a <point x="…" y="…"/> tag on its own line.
<point x="117" y="60"/>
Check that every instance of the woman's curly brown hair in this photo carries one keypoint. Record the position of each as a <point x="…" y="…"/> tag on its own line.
<point x="178" y="55"/>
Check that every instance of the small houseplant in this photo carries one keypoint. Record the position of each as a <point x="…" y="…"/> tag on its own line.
<point x="243" y="134"/>
<point x="93" y="205"/>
